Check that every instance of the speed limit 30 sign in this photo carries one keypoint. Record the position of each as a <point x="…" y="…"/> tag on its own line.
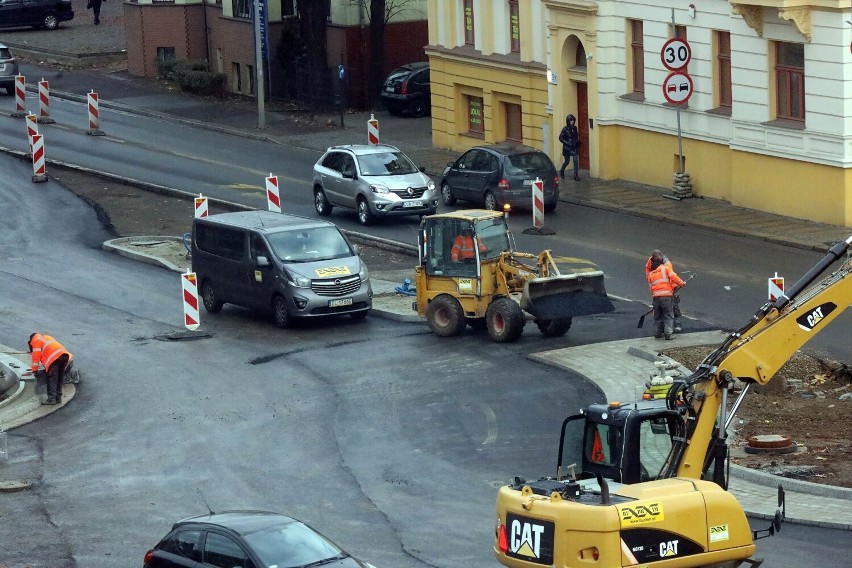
<point x="676" y="54"/>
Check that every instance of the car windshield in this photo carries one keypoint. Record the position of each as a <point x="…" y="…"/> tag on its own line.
<point x="492" y="234"/>
<point x="386" y="164"/>
<point x="292" y="546"/>
<point x="528" y="163"/>
<point x="309" y="245"/>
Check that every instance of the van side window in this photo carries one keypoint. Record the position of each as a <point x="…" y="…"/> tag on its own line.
<point x="220" y="241"/>
<point x="258" y="247"/>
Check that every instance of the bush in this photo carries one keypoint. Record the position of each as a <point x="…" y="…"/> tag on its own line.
<point x="191" y="75"/>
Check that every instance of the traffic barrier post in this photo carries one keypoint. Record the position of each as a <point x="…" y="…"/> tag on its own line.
<point x="776" y="287"/>
<point x="200" y="206"/>
<point x="44" y="103"/>
<point x="32" y="128"/>
<point x="39" y="171"/>
<point x="538" y="203"/>
<point x="273" y="194"/>
<point x="94" y="115"/>
<point x="20" y="97"/>
<point x="373" y="131"/>
<point x="190" y="301"/>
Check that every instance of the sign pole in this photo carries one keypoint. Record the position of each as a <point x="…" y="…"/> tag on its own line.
<point x="679" y="138"/>
<point x="258" y="67"/>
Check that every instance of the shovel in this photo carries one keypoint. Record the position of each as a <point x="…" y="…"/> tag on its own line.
<point x="642" y="317"/>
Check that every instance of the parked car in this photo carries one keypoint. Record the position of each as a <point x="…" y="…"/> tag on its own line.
<point x="45" y="14"/>
<point x="376" y="181"/>
<point x="293" y="266"/>
<point x="496" y="175"/>
<point x="406" y="90"/>
<point x="247" y="539"/>
<point x="8" y="70"/>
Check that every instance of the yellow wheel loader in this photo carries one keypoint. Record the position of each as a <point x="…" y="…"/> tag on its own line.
<point x="470" y="274"/>
<point x="644" y="483"/>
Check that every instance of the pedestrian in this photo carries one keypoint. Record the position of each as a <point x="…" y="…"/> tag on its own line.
<point x="49" y="362"/>
<point x="95" y="7"/>
<point x="678" y="318"/>
<point x="663" y="282"/>
<point x="570" y="139"/>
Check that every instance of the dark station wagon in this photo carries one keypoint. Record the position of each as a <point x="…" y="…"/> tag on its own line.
<point x="45" y="14"/>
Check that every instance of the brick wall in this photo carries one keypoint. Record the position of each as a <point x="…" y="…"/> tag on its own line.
<point x="148" y="27"/>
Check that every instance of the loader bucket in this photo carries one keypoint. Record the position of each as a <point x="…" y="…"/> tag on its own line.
<point x="566" y="296"/>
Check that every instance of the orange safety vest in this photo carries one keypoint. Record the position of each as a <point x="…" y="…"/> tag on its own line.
<point x="45" y="351"/>
<point x="597" y="449"/>
<point x="663" y="281"/>
<point x="463" y="248"/>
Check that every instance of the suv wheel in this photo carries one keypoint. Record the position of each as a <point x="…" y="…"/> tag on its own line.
<point x="49" y="22"/>
<point x="321" y="204"/>
<point x="365" y="216"/>
<point x="490" y="201"/>
<point x="447" y="194"/>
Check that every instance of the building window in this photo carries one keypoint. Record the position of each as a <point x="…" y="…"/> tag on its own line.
<point x="236" y="77"/>
<point x="287" y="8"/>
<point x="514" y="125"/>
<point x="790" y="81"/>
<point x="637" y="51"/>
<point x="165" y="53"/>
<point x="475" y="122"/>
<point x="250" y="78"/>
<point x="680" y="33"/>
<point x="468" y="22"/>
<point x="242" y="8"/>
<point x="723" y="60"/>
<point x="514" y="27"/>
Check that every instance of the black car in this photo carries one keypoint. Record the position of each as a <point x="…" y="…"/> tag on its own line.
<point x="36" y="13"/>
<point x="500" y="174"/>
<point x="247" y="539"/>
<point x="406" y="90"/>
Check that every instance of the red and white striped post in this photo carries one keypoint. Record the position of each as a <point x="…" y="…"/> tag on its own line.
<point x="20" y="97"/>
<point x="94" y="116"/>
<point x="373" y="131"/>
<point x="39" y="172"/>
<point x="32" y="129"/>
<point x="273" y="194"/>
<point x="44" y="103"/>
<point x="538" y="203"/>
<point x="189" y="284"/>
<point x="200" y="206"/>
<point x="776" y="287"/>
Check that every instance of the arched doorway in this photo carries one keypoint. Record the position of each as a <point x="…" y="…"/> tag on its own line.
<point x="575" y="92"/>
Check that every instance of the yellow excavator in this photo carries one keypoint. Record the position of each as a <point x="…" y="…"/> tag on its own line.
<point x="490" y="284"/>
<point x="644" y="483"/>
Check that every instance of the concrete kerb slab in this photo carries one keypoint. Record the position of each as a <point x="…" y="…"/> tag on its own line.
<point x="800" y="486"/>
<point x="120" y="245"/>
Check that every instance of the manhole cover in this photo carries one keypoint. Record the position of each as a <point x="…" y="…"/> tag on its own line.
<point x="183" y="336"/>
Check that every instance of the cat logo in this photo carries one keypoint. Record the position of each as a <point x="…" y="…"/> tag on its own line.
<point x="640" y="514"/>
<point x="719" y="533"/>
<point x="530" y="539"/>
<point x="332" y="271"/>
<point x="668" y="548"/>
<point x="814" y="317"/>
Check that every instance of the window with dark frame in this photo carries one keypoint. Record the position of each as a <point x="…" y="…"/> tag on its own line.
<point x="637" y="49"/>
<point x="723" y="57"/>
<point x="469" y="38"/>
<point x="514" y="124"/>
<point x="790" y="81"/>
<point x="514" y="27"/>
<point x="165" y="53"/>
<point x="241" y="8"/>
<point x="475" y="122"/>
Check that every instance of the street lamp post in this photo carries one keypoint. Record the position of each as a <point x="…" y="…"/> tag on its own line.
<point x="258" y="66"/>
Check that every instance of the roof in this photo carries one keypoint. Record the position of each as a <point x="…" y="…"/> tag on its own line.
<point x="508" y="148"/>
<point x="362" y="149"/>
<point x="468" y="215"/>
<point x="415" y="66"/>
<point x="241" y="522"/>
<point x="263" y="220"/>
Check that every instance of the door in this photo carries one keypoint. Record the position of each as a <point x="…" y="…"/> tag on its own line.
<point x="583" y="123"/>
<point x="261" y="278"/>
<point x="480" y="177"/>
<point x="331" y="177"/>
<point x="458" y="174"/>
<point x="11" y="12"/>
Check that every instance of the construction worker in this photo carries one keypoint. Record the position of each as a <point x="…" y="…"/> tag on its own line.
<point x="49" y="362"/>
<point x="678" y="319"/>
<point x="663" y="282"/>
<point x="463" y="248"/>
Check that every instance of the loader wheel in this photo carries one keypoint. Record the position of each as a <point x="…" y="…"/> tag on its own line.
<point x="554" y="327"/>
<point x="445" y="316"/>
<point x="505" y="320"/>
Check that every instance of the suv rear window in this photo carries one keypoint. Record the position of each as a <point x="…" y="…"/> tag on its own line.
<point x="4" y="53"/>
<point x="530" y="162"/>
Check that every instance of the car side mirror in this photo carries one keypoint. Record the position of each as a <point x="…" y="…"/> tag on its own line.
<point x="422" y="169"/>
<point x="348" y="174"/>
<point x="450" y="164"/>
<point x="356" y="249"/>
<point x="262" y="261"/>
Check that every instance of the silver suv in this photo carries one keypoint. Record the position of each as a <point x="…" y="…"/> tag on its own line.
<point x="376" y="181"/>
<point x="8" y="70"/>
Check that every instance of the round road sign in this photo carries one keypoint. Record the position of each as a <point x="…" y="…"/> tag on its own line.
<point x="676" y="54"/>
<point x="677" y="88"/>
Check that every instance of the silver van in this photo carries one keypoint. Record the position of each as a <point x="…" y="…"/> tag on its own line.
<point x="293" y="266"/>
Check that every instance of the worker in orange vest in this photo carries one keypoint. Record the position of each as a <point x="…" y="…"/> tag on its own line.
<point x="50" y="360"/>
<point x="678" y="319"/>
<point x="463" y="247"/>
<point x="663" y="282"/>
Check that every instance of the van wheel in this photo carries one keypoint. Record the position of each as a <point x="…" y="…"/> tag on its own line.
<point x="280" y="313"/>
<point x="365" y="216"/>
<point x="321" y="204"/>
<point x="490" y="201"/>
<point x="554" y="327"/>
<point x="211" y="302"/>
<point x="505" y="320"/>
<point x="445" y="316"/>
<point x="447" y="194"/>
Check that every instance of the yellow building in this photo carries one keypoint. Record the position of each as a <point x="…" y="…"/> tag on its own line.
<point x="766" y="124"/>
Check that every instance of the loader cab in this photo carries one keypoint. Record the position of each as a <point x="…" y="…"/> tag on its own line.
<point x="490" y="234"/>
<point x="625" y="443"/>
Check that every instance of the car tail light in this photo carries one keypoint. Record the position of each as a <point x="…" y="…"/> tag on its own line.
<point x="404" y="89"/>
<point x="149" y="556"/>
<point x="503" y="185"/>
<point x="555" y="181"/>
<point x="502" y="541"/>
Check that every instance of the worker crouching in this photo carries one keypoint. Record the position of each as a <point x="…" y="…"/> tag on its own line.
<point x="663" y="282"/>
<point x="50" y="361"/>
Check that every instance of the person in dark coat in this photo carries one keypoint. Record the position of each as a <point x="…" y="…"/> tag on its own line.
<point x="570" y="139"/>
<point x="95" y="5"/>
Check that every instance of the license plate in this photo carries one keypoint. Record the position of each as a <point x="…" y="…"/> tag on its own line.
<point x="412" y="204"/>
<point x="389" y="88"/>
<point x="528" y="182"/>
<point x="340" y="302"/>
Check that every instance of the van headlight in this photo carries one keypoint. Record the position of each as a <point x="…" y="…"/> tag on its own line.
<point x="378" y="188"/>
<point x="300" y="281"/>
<point x="430" y="185"/>
<point x="364" y="274"/>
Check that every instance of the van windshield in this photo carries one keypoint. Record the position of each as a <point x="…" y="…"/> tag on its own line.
<point x="309" y="245"/>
